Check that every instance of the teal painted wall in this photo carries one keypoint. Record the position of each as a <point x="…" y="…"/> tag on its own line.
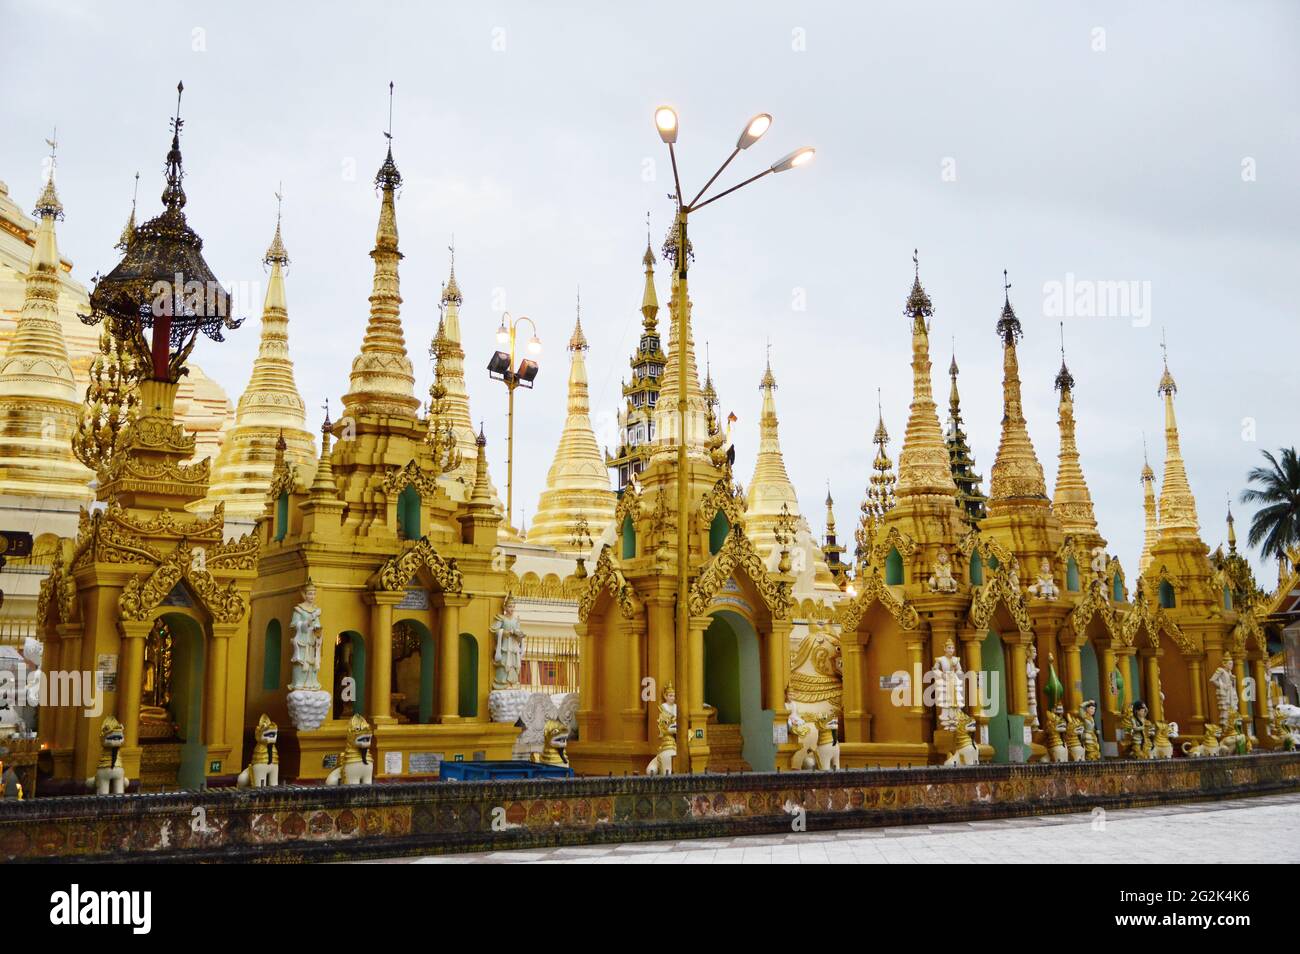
<point x="408" y="512"/>
<point x="755" y="721"/>
<point x="629" y="539"/>
<point x="358" y="673"/>
<point x="1091" y="677"/>
<point x="894" y="568"/>
<point x="428" y="655"/>
<point x="722" y="672"/>
<point x="1072" y="576"/>
<point x="976" y="570"/>
<point x="718" y="531"/>
<point x="271" y="657"/>
<point x="281" y="517"/>
<point x="994" y="664"/>
<point x="1166" y="592"/>
<point x="187" y="698"/>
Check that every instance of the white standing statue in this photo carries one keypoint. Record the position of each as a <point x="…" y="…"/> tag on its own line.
<point x="949" y="686"/>
<point x="1031" y="676"/>
<point x="942" y="580"/>
<point x="1044" y="587"/>
<point x="508" y="655"/>
<point x="1225" y="688"/>
<point x="307" y="702"/>
<point x="306" y="627"/>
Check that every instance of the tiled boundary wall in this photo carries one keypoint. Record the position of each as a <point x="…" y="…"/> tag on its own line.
<point x="318" y="824"/>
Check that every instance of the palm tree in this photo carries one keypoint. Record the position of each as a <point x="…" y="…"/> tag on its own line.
<point x="1276" y="527"/>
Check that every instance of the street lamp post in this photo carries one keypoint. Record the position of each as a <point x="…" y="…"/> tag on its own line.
<point x="667" y="124"/>
<point x="502" y="368"/>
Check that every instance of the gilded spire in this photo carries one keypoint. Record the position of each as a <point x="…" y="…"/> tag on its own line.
<point x="649" y="300"/>
<point x="1177" y="505"/>
<point x="880" y="495"/>
<point x="447" y="348"/>
<point x="1151" y="534"/>
<point x="830" y="511"/>
<point x="1017" y="476"/>
<point x="322" y="485"/>
<point x="577" y="484"/>
<point x="1232" y="530"/>
<point x="923" y="466"/>
<point x="770" y="489"/>
<point x="128" y="230"/>
<point x="970" y="498"/>
<point x="39" y="403"/>
<point x="383" y="381"/>
<point x="666" y="425"/>
<point x="270" y="403"/>
<point x="1071" y="502"/>
<point x="451" y="291"/>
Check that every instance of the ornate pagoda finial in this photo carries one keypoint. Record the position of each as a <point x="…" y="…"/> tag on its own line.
<point x="325" y="427"/>
<point x="1008" y="324"/>
<point x="1064" y="379"/>
<point x="451" y="290"/>
<point x="919" y="307"/>
<point x="769" y="379"/>
<point x="388" y="178"/>
<point x="275" y="253"/>
<point x="1167" y="385"/>
<point x="578" y="340"/>
<point x="48" y="205"/>
<point x="1232" y="529"/>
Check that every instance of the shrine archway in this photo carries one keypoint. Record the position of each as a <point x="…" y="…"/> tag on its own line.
<point x="349" y="664"/>
<point x="188" y="659"/>
<point x="733" y="685"/>
<point x="996" y="699"/>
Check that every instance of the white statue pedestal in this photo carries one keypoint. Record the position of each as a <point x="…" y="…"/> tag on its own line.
<point x="507" y="705"/>
<point x="308" y="708"/>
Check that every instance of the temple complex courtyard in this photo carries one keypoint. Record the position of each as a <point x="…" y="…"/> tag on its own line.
<point x="1246" y="831"/>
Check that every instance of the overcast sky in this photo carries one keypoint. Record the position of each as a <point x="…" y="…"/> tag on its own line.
<point x="1152" y="145"/>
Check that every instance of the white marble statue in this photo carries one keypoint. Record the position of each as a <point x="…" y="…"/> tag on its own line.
<point x="942" y="580"/>
<point x="1225" y="688"/>
<point x="949" y="686"/>
<point x="306" y="627"/>
<point x="1044" y="587"/>
<point x="1099" y="561"/>
<point x="508" y="654"/>
<point x="1031" y="676"/>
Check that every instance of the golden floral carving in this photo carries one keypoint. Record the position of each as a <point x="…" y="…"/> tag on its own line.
<point x="738" y="553"/>
<point x="891" y="539"/>
<point x="142" y="593"/>
<point x="727" y="497"/>
<point x="607" y="577"/>
<point x="871" y="589"/>
<point x="395" y="574"/>
<point x="1001" y="587"/>
<point x="413" y="475"/>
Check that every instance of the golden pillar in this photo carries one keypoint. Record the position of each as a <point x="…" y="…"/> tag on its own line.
<point x="1155" y="701"/>
<point x="1197" y="675"/>
<point x="856" y="718"/>
<point x="214" y="698"/>
<point x="1123" y="655"/>
<point x="1019" y="677"/>
<point x="449" y="658"/>
<point x="130" y="681"/>
<point x="1112" y="702"/>
<point x="634" y="706"/>
<point x="697" y="747"/>
<point x="1073" y="674"/>
<point x="915" y="649"/>
<point x="69" y="661"/>
<point x="778" y="668"/>
<point x="1261" y="697"/>
<point x="379" y="694"/>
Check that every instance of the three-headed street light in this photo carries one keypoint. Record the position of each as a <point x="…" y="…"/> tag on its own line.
<point x="502" y="368"/>
<point x="666" y="122"/>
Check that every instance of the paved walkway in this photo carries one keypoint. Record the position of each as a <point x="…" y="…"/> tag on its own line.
<point x="1246" y="830"/>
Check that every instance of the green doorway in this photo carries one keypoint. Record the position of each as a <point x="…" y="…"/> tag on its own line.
<point x="994" y="691"/>
<point x="733" y="685"/>
<point x="188" y="659"/>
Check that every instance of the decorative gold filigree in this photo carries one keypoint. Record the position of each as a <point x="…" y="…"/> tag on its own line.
<point x="398" y="571"/>
<point x="410" y="474"/>
<point x="607" y="577"/>
<point x="891" y="539"/>
<point x="990" y="550"/>
<point x="738" y="553"/>
<point x="727" y="497"/>
<point x="142" y="593"/>
<point x="872" y="589"/>
<point x="1001" y="586"/>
